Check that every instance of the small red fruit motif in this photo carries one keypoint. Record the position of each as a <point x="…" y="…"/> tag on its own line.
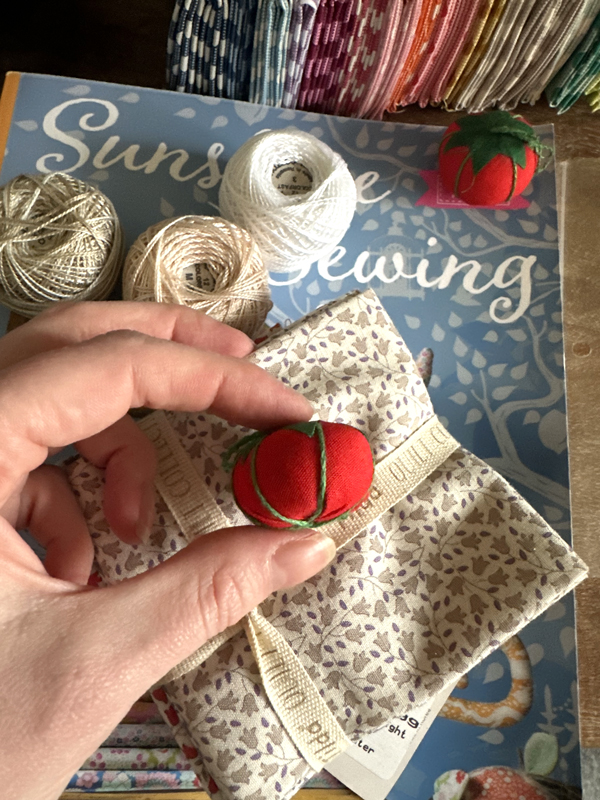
<point x="487" y="783"/>
<point x="487" y="159"/>
<point x="172" y="715"/>
<point x="189" y="752"/>
<point x="160" y="695"/>
<point x="301" y="475"/>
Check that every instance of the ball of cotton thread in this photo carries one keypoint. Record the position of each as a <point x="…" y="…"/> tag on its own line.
<point x="290" y="229"/>
<point x="60" y="239"/>
<point x="203" y="262"/>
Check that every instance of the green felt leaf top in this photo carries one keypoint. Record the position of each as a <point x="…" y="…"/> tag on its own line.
<point x="492" y="134"/>
<point x="241" y="449"/>
<point x="309" y="428"/>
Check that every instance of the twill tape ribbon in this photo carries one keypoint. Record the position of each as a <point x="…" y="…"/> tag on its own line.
<point x="295" y="698"/>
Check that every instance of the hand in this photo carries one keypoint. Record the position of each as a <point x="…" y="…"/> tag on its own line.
<point x="73" y="659"/>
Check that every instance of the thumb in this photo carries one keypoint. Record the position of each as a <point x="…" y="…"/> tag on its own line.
<point x="162" y="616"/>
<point x="89" y="654"/>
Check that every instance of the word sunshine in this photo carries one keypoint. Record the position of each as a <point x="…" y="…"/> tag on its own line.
<point x="207" y="175"/>
<point x="514" y="271"/>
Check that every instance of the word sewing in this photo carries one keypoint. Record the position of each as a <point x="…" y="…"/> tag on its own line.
<point x="513" y="271"/>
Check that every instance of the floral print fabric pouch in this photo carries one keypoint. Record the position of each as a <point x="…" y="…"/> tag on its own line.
<point x="441" y="566"/>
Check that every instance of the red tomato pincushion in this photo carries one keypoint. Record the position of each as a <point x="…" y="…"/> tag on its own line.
<point x="301" y="475"/>
<point x="487" y="159"/>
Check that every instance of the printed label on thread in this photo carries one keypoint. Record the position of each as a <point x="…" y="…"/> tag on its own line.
<point x="202" y="275"/>
<point x="292" y="178"/>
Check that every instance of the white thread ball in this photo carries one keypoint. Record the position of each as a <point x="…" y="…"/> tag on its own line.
<point x="293" y="193"/>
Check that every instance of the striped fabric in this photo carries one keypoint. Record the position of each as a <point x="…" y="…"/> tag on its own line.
<point x="580" y="71"/>
<point x="445" y="44"/>
<point x="405" y="34"/>
<point x="301" y="26"/>
<point x="388" y="47"/>
<point x="347" y="51"/>
<point x="425" y="26"/>
<point x="529" y="42"/>
<point x="542" y="52"/>
<point x="340" y="54"/>
<point x="479" y="50"/>
<point x="361" y="57"/>
<point x="322" y="20"/>
<point x="341" y="99"/>
<point x="213" y="63"/>
<point x="326" y="65"/>
<point x="572" y="35"/>
<point x="367" y="44"/>
<point x="241" y="62"/>
<point x="476" y="32"/>
<point x="333" y="27"/>
<point x="593" y="92"/>
<point x="500" y="45"/>
<point x="179" y="44"/>
<point x="269" y="51"/>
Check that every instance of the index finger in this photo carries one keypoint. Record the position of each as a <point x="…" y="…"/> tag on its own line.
<point x="71" y="323"/>
<point x="70" y="394"/>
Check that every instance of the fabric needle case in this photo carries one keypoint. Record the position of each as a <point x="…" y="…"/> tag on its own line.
<point x="440" y="566"/>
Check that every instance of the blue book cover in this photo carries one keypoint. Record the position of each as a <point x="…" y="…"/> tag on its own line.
<point x="480" y="287"/>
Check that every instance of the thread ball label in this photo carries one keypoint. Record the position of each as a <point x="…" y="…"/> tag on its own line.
<point x="200" y="275"/>
<point x="292" y="178"/>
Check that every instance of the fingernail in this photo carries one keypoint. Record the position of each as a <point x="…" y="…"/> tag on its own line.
<point x="301" y="558"/>
<point x="147" y="514"/>
<point x="303" y="406"/>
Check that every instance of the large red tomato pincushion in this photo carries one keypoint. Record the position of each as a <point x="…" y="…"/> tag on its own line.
<point x="301" y="475"/>
<point x="487" y="159"/>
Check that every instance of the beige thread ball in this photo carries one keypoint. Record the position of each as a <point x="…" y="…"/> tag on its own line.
<point x="60" y="239"/>
<point x="202" y="262"/>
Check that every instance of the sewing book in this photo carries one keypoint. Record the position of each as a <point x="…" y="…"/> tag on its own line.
<point x="478" y="287"/>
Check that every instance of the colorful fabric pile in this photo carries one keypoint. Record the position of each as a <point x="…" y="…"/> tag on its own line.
<point x="141" y="754"/>
<point x="360" y="58"/>
<point x="580" y="75"/>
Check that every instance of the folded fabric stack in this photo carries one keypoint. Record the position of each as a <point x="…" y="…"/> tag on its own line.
<point x="360" y="58"/>
<point x="141" y="754"/>
<point x="580" y="75"/>
<point x="441" y="566"/>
